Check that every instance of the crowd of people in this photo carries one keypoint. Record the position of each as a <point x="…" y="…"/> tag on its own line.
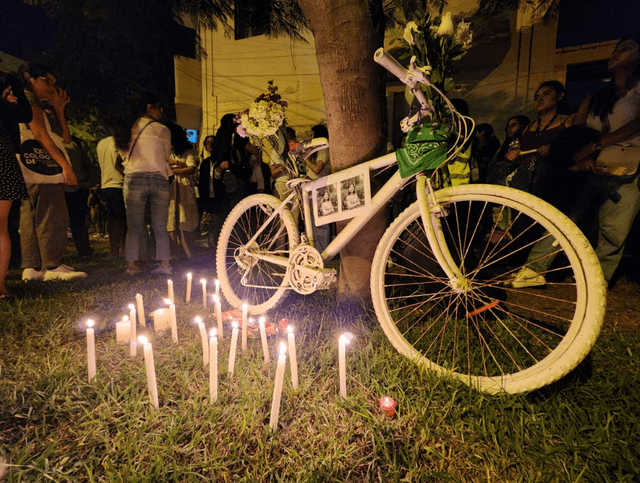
<point x="157" y="189"/>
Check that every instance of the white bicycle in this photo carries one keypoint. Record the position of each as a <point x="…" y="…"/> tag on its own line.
<point x="440" y="280"/>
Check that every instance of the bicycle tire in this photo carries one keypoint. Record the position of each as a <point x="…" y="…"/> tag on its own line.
<point x="492" y="336"/>
<point x="239" y="227"/>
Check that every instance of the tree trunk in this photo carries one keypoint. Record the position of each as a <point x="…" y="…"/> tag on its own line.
<point x="347" y="33"/>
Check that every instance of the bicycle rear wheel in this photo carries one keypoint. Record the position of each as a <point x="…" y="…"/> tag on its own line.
<point x="483" y="330"/>
<point x="244" y="277"/>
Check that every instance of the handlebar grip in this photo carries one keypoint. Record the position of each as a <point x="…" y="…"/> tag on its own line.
<point x="387" y="61"/>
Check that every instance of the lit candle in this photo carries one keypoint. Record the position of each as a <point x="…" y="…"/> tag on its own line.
<point x="293" y="358"/>
<point x="277" y="389"/>
<point x="140" y="310"/>
<point x="263" y="338"/>
<point x="123" y="330"/>
<point x="216" y="300"/>
<point x="217" y="284"/>
<point x="204" y="292"/>
<point x="161" y="319"/>
<point x="213" y="367"/>
<point x="232" y="349"/>
<point x="133" y="337"/>
<point x="172" y="320"/>
<point x="245" y="307"/>
<point x="205" y="346"/>
<point x="188" y="297"/>
<point x="151" y="370"/>
<point x="91" y="350"/>
<point x="170" y="291"/>
<point x="344" y="340"/>
<point x="388" y="405"/>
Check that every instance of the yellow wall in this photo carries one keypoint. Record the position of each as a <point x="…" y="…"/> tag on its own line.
<point x="235" y="72"/>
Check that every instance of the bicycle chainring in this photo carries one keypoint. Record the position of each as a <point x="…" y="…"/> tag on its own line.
<point x="305" y="270"/>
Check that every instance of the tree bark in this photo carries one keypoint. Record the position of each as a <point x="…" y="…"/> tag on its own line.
<point x="347" y="33"/>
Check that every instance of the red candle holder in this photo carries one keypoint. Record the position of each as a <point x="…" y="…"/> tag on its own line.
<point x="388" y="405"/>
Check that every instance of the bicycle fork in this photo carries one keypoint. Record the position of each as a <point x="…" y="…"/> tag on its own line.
<point x="431" y="211"/>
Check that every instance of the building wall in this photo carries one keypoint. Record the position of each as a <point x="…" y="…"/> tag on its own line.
<point x="234" y="73"/>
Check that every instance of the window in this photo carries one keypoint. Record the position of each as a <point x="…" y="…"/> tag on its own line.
<point x="250" y="18"/>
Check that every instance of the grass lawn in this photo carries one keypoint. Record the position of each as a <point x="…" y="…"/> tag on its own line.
<point x="55" y="426"/>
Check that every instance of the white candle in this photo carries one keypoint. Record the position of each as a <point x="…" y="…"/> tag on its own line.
<point x="293" y="358"/>
<point x="205" y="345"/>
<point x="161" y="319"/>
<point x="204" y="292"/>
<point x="343" y="341"/>
<point x="170" y="291"/>
<point x="213" y="367"/>
<point x="217" y="284"/>
<point x="245" y="308"/>
<point x="277" y="389"/>
<point x="216" y="299"/>
<point x="263" y="338"/>
<point x="232" y="349"/>
<point x="140" y="310"/>
<point x="172" y="320"/>
<point x="133" y="337"/>
<point x="91" y="351"/>
<point x="123" y="330"/>
<point x="151" y="370"/>
<point x="188" y="297"/>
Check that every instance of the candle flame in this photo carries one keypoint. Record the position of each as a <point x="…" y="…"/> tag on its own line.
<point x="169" y="281"/>
<point x="283" y="348"/>
<point x="189" y="275"/>
<point x="234" y="324"/>
<point x="132" y="307"/>
<point x="214" y="333"/>
<point x="216" y="299"/>
<point x="168" y="301"/>
<point x="198" y="320"/>
<point x="289" y="329"/>
<point x="244" y="306"/>
<point x="261" y="320"/>
<point x="203" y="280"/>
<point x="143" y="340"/>
<point x="125" y="318"/>
<point x="90" y="323"/>
<point x="217" y="282"/>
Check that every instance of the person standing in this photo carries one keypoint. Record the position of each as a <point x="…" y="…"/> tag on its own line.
<point x="44" y="219"/>
<point x="111" y="181"/>
<point x="14" y="109"/>
<point x="145" y="147"/>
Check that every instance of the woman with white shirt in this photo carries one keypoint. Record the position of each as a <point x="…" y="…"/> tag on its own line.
<point x="145" y="149"/>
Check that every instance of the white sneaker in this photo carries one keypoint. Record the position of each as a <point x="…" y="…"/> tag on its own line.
<point x="528" y="278"/>
<point x="63" y="272"/>
<point x="32" y="274"/>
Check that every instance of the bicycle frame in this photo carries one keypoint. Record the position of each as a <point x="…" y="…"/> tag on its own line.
<point x="430" y="211"/>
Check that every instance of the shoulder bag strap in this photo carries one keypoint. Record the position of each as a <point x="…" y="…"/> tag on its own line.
<point x="138" y="137"/>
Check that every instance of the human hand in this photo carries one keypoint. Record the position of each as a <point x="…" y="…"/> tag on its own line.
<point x="584" y="152"/>
<point x="543" y="151"/>
<point x="69" y="176"/>
<point x="512" y="155"/>
<point x="587" y="164"/>
<point x="60" y="99"/>
<point x="7" y="96"/>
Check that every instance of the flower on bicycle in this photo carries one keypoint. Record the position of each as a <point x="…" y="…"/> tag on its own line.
<point x="265" y="115"/>
<point x="445" y="29"/>
<point x="464" y="35"/>
<point x="409" y="30"/>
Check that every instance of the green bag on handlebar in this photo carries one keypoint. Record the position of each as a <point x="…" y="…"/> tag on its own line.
<point x="425" y="148"/>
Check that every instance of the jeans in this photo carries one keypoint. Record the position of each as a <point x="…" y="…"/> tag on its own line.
<point x="138" y="189"/>
<point x="619" y="204"/>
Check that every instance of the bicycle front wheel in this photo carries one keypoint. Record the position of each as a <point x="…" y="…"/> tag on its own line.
<point x="244" y="277"/>
<point x="494" y="331"/>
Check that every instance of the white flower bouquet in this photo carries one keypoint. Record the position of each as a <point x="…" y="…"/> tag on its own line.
<point x="265" y="115"/>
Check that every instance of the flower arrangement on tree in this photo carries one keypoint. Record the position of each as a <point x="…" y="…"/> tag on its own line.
<point x="265" y="115"/>
<point x="434" y="42"/>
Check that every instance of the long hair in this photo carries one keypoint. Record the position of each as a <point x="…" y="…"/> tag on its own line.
<point x="34" y="70"/>
<point x="524" y="121"/>
<point x="122" y="132"/>
<point x="602" y="102"/>
<point x="224" y="134"/>
<point x="179" y="139"/>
